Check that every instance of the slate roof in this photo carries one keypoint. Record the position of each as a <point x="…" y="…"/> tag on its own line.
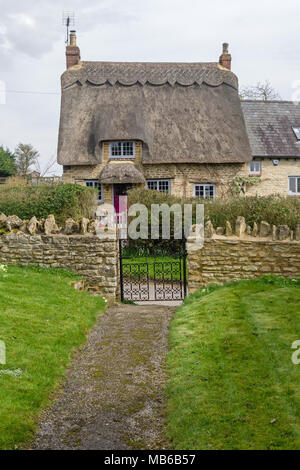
<point x="182" y="112"/>
<point x="269" y="125"/>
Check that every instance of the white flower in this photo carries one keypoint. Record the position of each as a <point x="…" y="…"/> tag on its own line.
<point x="3" y="268"/>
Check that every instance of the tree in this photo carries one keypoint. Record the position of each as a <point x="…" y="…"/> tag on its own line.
<point x="47" y="167"/>
<point x="26" y="156"/>
<point x="7" y="163"/>
<point x="261" y="91"/>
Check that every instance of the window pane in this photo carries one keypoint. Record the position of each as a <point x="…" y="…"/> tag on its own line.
<point x="292" y="181"/>
<point x="297" y="132"/>
<point x="116" y="149"/>
<point x="255" y="167"/>
<point x="163" y="186"/>
<point x="159" y="185"/>
<point x="152" y="185"/>
<point x="298" y="184"/>
<point x="95" y="184"/>
<point x="205" y="190"/>
<point x="128" y="148"/>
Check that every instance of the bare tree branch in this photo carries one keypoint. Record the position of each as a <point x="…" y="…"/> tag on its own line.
<point x="261" y="91"/>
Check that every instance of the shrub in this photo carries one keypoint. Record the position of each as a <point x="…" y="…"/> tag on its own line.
<point x="15" y="181"/>
<point x="63" y="201"/>
<point x="274" y="209"/>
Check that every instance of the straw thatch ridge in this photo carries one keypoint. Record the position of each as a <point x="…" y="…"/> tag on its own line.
<point x="131" y="73"/>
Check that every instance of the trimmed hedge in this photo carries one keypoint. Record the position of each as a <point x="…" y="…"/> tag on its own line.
<point x="63" y="201"/>
<point x="274" y="209"/>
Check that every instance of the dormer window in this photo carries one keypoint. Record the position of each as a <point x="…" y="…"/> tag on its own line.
<point x="122" y="149"/>
<point x="296" y="131"/>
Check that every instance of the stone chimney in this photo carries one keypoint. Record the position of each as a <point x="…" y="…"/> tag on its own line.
<point x="72" y="51"/>
<point x="225" y="58"/>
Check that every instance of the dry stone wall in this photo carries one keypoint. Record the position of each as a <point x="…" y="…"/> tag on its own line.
<point x="242" y="252"/>
<point x="74" y="247"/>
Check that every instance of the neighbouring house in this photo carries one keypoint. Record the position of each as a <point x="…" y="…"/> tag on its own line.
<point x="274" y="134"/>
<point x="174" y="127"/>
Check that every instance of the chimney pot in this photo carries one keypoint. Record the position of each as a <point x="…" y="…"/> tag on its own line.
<point x="225" y="47"/>
<point x="73" y="38"/>
<point x="225" y="58"/>
<point x="72" y="51"/>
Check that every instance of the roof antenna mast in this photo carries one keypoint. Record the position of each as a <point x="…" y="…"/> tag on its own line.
<point x="68" y="19"/>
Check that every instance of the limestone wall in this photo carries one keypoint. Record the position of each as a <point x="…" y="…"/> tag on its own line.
<point x="242" y="254"/>
<point x="75" y="247"/>
<point x="96" y="260"/>
<point x="184" y="176"/>
<point x="274" y="179"/>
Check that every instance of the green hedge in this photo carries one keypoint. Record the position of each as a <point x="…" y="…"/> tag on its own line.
<point x="274" y="209"/>
<point x="63" y="201"/>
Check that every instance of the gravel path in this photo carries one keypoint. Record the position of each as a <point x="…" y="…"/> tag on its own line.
<point x="113" y="397"/>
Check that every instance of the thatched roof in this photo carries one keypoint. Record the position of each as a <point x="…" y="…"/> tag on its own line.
<point x="181" y="112"/>
<point x="270" y="128"/>
<point x="116" y="172"/>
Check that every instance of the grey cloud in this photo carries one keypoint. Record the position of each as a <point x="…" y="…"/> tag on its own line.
<point x="263" y="37"/>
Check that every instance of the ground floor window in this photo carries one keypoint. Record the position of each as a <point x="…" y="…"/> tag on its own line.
<point x="255" y="168"/>
<point x="294" y="185"/>
<point x="205" y="190"/>
<point x="97" y="185"/>
<point x="159" y="185"/>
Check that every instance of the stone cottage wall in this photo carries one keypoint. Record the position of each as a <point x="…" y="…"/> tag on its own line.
<point x="275" y="179"/>
<point x="96" y="260"/>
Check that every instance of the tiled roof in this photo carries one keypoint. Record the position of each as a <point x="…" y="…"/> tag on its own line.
<point x="269" y="125"/>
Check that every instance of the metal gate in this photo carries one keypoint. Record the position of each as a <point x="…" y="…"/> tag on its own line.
<point x="153" y="274"/>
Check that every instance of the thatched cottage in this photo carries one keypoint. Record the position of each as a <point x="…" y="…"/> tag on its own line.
<point x="174" y="127"/>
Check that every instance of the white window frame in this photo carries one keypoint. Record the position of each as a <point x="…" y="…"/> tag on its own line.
<point x="297" y="193"/>
<point x="122" y="142"/>
<point x="93" y="183"/>
<point x="205" y="185"/>
<point x="296" y="131"/>
<point x="159" y="180"/>
<point x="255" y="171"/>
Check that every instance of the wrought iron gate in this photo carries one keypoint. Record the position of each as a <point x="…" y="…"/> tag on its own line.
<point x="156" y="276"/>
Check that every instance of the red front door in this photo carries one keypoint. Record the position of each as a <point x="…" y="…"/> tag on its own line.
<point x="120" y="203"/>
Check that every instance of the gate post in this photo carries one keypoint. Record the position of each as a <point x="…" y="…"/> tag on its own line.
<point x="184" y="258"/>
<point x="121" y="270"/>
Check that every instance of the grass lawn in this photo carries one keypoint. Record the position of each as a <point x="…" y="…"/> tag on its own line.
<point x="159" y="265"/>
<point x="42" y="319"/>
<point x="232" y="384"/>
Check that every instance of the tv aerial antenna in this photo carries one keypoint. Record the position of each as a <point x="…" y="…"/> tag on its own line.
<point x="68" y="19"/>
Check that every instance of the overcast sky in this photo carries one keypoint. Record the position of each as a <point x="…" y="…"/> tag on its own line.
<point x="264" y="37"/>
